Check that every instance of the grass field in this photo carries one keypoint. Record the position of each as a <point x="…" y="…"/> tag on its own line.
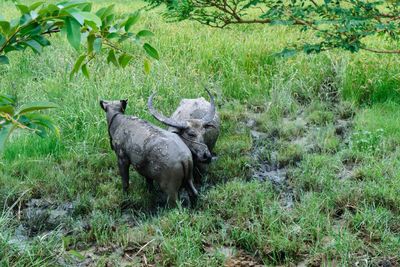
<point x="325" y="126"/>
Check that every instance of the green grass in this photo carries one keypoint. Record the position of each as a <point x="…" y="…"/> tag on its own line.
<point x="346" y="198"/>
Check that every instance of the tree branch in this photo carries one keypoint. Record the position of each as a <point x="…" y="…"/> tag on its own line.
<point x="381" y="51"/>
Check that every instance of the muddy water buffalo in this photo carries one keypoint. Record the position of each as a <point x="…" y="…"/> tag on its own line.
<point x="155" y="153"/>
<point x="197" y="123"/>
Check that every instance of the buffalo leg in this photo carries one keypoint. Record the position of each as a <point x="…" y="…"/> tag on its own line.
<point x="150" y="185"/>
<point x="172" y="199"/>
<point x="197" y="175"/>
<point x="171" y="189"/>
<point x="192" y="194"/>
<point x="123" y="166"/>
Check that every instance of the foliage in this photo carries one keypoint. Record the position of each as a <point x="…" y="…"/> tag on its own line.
<point x="100" y="30"/>
<point x="23" y="117"/>
<point x="336" y="24"/>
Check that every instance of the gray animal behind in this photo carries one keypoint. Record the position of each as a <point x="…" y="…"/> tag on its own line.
<point x="197" y="123"/>
<point x="155" y="153"/>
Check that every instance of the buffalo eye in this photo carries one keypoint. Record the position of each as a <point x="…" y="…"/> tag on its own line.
<point x="209" y="125"/>
<point x="191" y="134"/>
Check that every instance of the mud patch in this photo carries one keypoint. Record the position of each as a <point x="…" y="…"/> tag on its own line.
<point x="40" y="218"/>
<point x="281" y="157"/>
<point x="233" y="256"/>
<point x="112" y="255"/>
<point x="269" y="170"/>
<point x="274" y="156"/>
<point x="242" y="259"/>
<point x="343" y="127"/>
<point x="41" y="215"/>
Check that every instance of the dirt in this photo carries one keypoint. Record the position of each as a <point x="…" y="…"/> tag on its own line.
<point x="242" y="259"/>
<point x="272" y="170"/>
<point x="130" y="255"/>
<point x="40" y="218"/>
<point x="233" y="256"/>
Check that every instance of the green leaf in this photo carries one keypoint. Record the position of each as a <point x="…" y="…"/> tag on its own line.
<point x="48" y="9"/>
<point x="87" y="7"/>
<point x="92" y="25"/>
<point x="23" y="8"/>
<point x="35" y="5"/>
<point x="77" y="65"/>
<point x="151" y="51"/>
<point x="111" y="58"/>
<point x="90" y="41"/>
<point x="4" y="60"/>
<point x="25" y="19"/>
<point x="41" y="40"/>
<point x="107" y="21"/>
<point x="9" y="109"/>
<point x="73" y="32"/>
<point x="32" y="29"/>
<point x="147" y="65"/>
<point x="80" y="4"/>
<point x="124" y="59"/>
<point x="36" y="47"/>
<point x="144" y="33"/>
<point x="105" y="11"/>
<point x="286" y="53"/>
<point x="4" y="134"/>
<point x="87" y="16"/>
<point x="133" y="18"/>
<point x="97" y="45"/>
<point x="33" y="106"/>
<point x="112" y="35"/>
<point x="41" y="122"/>
<point x="125" y="36"/>
<point x="2" y="39"/>
<point x="4" y="26"/>
<point x="76" y="14"/>
<point x="7" y="100"/>
<point x="85" y="70"/>
<point x="312" y="48"/>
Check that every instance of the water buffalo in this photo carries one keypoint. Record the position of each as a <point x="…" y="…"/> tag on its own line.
<point x="155" y="153"/>
<point x="197" y="123"/>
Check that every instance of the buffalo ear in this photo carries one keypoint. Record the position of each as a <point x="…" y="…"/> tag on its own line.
<point x="124" y="103"/>
<point x="102" y="105"/>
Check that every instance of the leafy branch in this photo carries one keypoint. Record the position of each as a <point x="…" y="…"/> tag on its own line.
<point x="24" y="117"/>
<point x="336" y="24"/>
<point x="100" y="30"/>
